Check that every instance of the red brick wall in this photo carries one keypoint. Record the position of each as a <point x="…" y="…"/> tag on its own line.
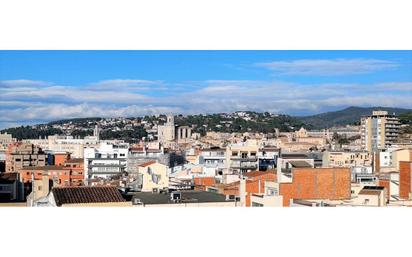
<point x="317" y="183"/>
<point x="404" y="179"/>
<point x="252" y="185"/>
<point x="386" y="184"/>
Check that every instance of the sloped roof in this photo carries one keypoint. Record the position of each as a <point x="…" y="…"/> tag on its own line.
<point x="85" y="194"/>
<point x="147" y="163"/>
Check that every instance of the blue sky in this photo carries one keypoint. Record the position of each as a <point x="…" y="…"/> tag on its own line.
<point x="39" y="86"/>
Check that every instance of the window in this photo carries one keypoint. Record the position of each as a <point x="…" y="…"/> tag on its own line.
<point x="257" y="204"/>
<point x="272" y="191"/>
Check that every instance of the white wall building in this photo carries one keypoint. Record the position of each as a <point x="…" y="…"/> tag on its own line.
<point x="105" y="161"/>
<point x="213" y="158"/>
<point x="69" y="144"/>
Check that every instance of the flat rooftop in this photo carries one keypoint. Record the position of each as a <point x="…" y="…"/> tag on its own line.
<point x="189" y="196"/>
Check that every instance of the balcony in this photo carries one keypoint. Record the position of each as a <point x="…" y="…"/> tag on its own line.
<point x="247" y="158"/>
<point x="244" y="165"/>
<point x="107" y="165"/>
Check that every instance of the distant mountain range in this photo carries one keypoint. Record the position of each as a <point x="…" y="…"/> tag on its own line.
<point x="346" y="116"/>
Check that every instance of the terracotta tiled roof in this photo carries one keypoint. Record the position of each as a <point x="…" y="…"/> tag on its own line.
<point x="147" y="163"/>
<point x="84" y="194"/>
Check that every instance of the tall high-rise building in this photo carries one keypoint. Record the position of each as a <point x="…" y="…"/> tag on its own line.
<point x="96" y="132"/>
<point x="379" y="131"/>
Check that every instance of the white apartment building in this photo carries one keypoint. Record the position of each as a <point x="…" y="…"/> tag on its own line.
<point x="105" y="161"/>
<point x="69" y="144"/>
<point x="242" y="157"/>
<point x="214" y="158"/>
<point x="379" y="131"/>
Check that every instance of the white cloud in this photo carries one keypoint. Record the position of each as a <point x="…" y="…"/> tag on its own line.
<point x="336" y="67"/>
<point x="47" y="112"/>
<point x="25" y="104"/>
<point x="22" y="83"/>
<point x="399" y="86"/>
<point x="126" y="85"/>
<point x="55" y="93"/>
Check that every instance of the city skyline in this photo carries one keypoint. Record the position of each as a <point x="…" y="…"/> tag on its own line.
<point x="41" y="86"/>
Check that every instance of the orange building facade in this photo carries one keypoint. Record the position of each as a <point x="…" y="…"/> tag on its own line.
<point x="70" y="173"/>
<point x="405" y="183"/>
<point x="61" y="158"/>
<point x="201" y="183"/>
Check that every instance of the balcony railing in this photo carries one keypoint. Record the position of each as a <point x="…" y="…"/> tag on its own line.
<point x="248" y="158"/>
